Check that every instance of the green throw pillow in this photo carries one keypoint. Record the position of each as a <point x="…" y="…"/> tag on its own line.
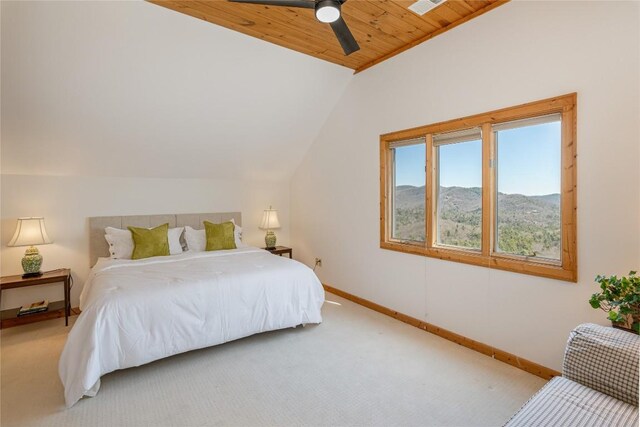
<point x="148" y="242"/>
<point x="219" y="236"/>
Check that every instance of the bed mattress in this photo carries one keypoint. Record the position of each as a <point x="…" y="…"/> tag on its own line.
<point x="135" y="312"/>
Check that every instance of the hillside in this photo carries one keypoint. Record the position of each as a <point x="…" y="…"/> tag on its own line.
<point x="527" y="225"/>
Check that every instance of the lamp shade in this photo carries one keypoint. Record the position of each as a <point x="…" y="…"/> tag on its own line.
<point x="30" y="231"/>
<point x="269" y="219"/>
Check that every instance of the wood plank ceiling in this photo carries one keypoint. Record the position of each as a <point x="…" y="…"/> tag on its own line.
<point x="383" y="28"/>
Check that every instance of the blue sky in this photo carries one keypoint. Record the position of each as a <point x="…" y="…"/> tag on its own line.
<point x="528" y="162"/>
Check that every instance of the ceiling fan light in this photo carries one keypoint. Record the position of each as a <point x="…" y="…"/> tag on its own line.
<point x="327" y="11"/>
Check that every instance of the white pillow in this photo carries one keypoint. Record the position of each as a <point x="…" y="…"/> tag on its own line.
<point x="121" y="242"/>
<point x="175" y="247"/>
<point x="197" y="239"/>
<point x="237" y="234"/>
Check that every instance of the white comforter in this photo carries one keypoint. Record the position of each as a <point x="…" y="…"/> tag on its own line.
<point x="135" y="312"/>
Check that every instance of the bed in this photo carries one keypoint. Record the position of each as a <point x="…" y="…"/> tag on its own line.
<point x="138" y="311"/>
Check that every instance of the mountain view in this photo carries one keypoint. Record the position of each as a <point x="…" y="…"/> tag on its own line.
<point x="527" y="225"/>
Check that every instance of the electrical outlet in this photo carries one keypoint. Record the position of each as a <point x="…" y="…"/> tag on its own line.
<point x="318" y="262"/>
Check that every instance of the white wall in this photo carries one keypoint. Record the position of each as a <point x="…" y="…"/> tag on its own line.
<point x="67" y="201"/>
<point x="520" y="52"/>
<point x="135" y="89"/>
<point x="112" y="108"/>
<point x="123" y="108"/>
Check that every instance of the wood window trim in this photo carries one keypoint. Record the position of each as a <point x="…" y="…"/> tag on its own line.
<point x="567" y="268"/>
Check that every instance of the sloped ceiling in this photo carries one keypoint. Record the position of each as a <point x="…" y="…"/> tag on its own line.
<point x="382" y="28"/>
<point x="131" y="89"/>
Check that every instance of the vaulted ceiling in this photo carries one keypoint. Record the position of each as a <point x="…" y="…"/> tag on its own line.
<point x="382" y="28"/>
<point x="93" y="87"/>
<point x="129" y="89"/>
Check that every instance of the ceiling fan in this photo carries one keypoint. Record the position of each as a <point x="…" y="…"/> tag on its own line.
<point x="327" y="11"/>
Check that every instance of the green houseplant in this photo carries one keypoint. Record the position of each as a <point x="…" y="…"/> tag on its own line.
<point x="620" y="298"/>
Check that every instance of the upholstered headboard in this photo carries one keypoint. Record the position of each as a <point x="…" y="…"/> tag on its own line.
<point x="98" y="246"/>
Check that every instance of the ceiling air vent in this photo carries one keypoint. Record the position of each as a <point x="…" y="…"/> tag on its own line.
<point x="423" y="6"/>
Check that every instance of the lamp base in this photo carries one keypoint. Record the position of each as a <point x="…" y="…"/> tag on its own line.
<point x="31" y="262"/>
<point x="270" y="240"/>
<point x="28" y="275"/>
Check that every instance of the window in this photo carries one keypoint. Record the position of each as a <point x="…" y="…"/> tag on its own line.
<point x="499" y="189"/>
<point x="528" y="187"/>
<point x="409" y="179"/>
<point x="459" y="189"/>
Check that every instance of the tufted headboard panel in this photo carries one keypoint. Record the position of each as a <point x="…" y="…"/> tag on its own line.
<point x="98" y="246"/>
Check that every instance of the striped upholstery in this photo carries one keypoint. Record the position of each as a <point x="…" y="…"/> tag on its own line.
<point x="604" y="359"/>
<point x="562" y="402"/>
<point x="599" y="386"/>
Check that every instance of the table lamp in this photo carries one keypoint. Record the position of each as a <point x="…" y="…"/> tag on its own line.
<point x="30" y="231"/>
<point x="269" y="222"/>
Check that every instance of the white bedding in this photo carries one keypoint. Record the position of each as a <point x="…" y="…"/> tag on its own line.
<point x="135" y="312"/>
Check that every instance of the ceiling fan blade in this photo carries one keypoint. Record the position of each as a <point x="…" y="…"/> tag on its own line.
<point x="307" y="4"/>
<point x="346" y="39"/>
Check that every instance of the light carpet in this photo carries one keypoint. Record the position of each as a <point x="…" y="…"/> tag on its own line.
<point x="357" y="368"/>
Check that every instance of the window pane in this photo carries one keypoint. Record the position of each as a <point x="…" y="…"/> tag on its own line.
<point x="409" y="192"/>
<point x="528" y="202"/>
<point x="459" y="209"/>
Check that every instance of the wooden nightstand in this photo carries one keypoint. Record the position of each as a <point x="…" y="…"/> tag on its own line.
<point x="9" y="318"/>
<point x="279" y="250"/>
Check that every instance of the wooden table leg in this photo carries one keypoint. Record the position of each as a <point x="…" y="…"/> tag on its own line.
<point x="67" y="300"/>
